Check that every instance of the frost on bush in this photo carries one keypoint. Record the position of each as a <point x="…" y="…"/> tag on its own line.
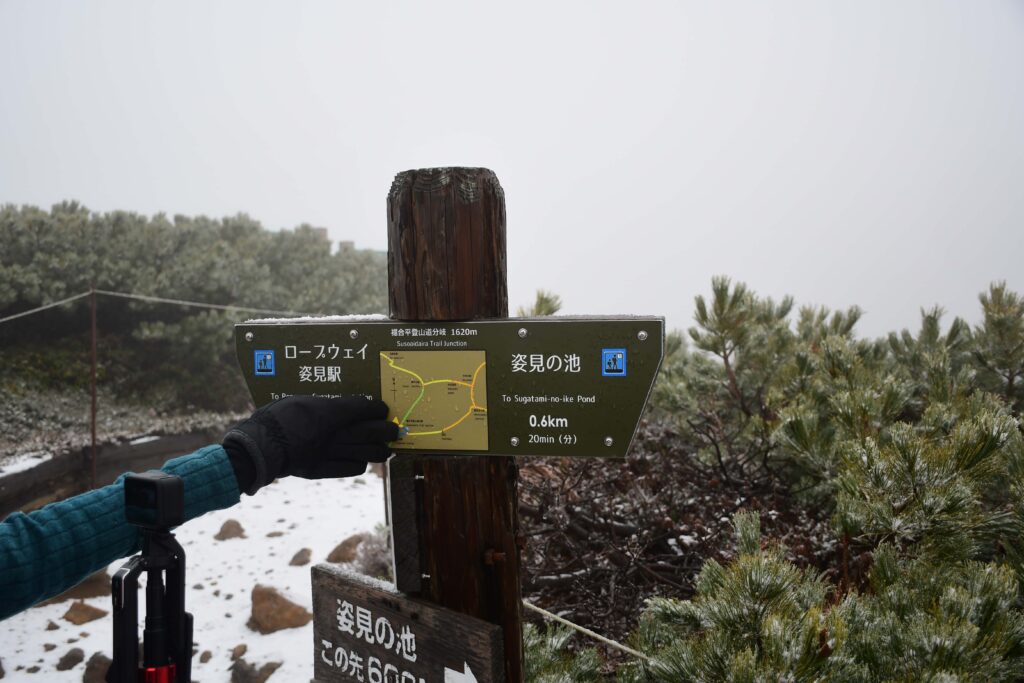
<point x="922" y="621"/>
<point x="760" y="618"/>
<point x="911" y="444"/>
<point x="547" y="657"/>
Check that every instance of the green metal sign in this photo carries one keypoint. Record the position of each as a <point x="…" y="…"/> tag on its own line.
<point x="553" y="386"/>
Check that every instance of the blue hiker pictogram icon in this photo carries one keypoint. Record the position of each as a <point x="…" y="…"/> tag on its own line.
<point x="613" y="362"/>
<point x="263" y="360"/>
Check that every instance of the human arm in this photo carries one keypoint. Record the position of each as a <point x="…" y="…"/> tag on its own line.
<point x="47" y="551"/>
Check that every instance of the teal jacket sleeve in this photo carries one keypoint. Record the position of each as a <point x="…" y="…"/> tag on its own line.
<point x="47" y="551"/>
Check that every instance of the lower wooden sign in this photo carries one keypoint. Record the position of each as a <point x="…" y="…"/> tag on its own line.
<point x="365" y="631"/>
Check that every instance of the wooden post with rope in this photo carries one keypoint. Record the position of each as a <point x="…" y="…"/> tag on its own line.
<point x="92" y="386"/>
<point x="455" y="518"/>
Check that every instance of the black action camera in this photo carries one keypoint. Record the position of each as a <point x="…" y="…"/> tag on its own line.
<point x="154" y="500"/>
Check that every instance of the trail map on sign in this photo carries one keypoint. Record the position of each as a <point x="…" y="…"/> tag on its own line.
<point x="437" y="398"/>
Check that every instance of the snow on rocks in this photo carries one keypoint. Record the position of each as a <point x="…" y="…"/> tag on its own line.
<point x="322" y="510"/>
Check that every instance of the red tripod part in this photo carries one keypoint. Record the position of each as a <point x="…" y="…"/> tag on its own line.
<point x="159" y="674"/>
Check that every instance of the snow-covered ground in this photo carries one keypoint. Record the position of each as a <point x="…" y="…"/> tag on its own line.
<point x="310" y="514"/>
<point x="23" y="461"/>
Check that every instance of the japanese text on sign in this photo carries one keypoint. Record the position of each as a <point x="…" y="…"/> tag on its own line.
<point x="539" y="362"/>
<point x="326" y="351"/>
<point x="360" y="623"/>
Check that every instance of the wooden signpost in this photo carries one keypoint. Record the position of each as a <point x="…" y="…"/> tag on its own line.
<point x="446" y="261"/>
<point x="368" y="631"/>
<point x="461" y="381"/>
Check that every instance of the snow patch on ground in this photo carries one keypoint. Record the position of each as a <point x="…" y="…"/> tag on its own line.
<point x="23" y="461"/>
<point x="144" y="439"/>
<point x="311" y="514"/>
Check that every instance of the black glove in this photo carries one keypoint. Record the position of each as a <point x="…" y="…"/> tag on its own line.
<point x="310" y="437"/>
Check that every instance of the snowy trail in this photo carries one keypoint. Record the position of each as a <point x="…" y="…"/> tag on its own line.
<point x="310" y="514"/>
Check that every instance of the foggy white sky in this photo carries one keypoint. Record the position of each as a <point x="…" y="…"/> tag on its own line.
<point x="867" y="152"/>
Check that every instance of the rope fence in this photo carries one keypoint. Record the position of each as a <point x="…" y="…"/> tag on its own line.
<point x="197" y="304"/>
<point x="586" y="631"/>
<point x="45" y="307"/>
<point x="150" y="299"/>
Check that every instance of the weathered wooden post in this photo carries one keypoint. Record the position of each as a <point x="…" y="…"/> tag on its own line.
<point x="469" y="389"/>
<point x="92" y="387"/>
<point x="455" y="519"/>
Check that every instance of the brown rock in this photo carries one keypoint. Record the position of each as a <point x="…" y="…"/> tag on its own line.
<point x="230" y="529"/>
<point x="272" y="612"/>
<point x="238" y="651"/>
<point x="2" y="674"/>
<point x="96" y="668"/>
<point x="95" y="586"/>
<point x="32" y="669"/>
<point x="301" y="558"/>
<point x="205" y="657"/>
<point x="346" y="550"/>
<point x="267" y="670"/>
<point x="71" y="659"/>
<point x="80" y="613"/>
<point x="50" y="626"/>
<point x="275" y="534"/>
<point x="49" y="646"/>
<point x="244" y="672"/>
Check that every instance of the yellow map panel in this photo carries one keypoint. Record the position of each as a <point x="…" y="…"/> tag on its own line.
<point x="438" y="398"/>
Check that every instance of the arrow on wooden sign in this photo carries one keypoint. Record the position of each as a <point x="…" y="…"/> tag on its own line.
<point x="465" y="676"/>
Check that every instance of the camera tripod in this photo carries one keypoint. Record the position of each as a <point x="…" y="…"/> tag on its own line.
<point x="154" y="501"/>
